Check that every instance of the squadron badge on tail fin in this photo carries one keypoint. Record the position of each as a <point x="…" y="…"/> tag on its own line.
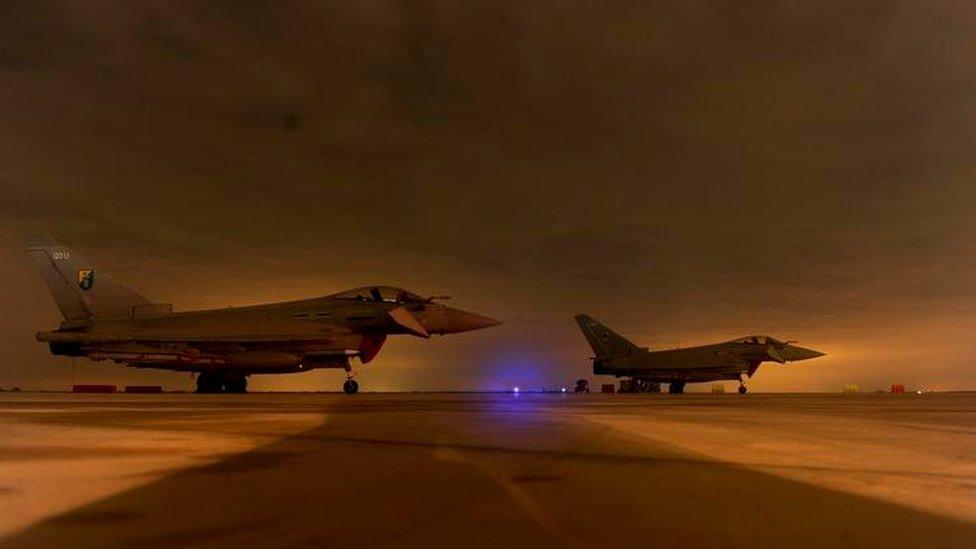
<point x="86" y="279"/>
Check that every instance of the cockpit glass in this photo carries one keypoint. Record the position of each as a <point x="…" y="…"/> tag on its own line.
<point x="379" y="294"/>
<point x="760" y="340"/>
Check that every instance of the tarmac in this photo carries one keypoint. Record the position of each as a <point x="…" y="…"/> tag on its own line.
<point x="487" y="470"/>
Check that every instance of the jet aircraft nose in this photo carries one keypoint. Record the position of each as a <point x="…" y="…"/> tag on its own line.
<point x="447" y="320"/>
<point x="463" y="321"/>
<point x="794" y="353"/>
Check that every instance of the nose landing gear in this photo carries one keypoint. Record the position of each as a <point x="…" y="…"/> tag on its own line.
<point x="742" y="387"/>
<point x="351" y="386"/>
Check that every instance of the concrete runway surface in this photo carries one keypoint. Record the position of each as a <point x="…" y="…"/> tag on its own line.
<point x="464" y="470"/>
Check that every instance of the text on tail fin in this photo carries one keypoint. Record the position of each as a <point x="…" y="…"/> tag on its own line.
<point x="79" y="289"/>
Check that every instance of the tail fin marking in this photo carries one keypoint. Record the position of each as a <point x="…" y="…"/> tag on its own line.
<point x="605" y="342"/>
<point x="79" y="289"/>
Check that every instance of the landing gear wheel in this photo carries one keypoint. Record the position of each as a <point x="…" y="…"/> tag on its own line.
<point x="236" y="384"/>
<point x="208" y="383"/>
<point x="676" y="387"/>
<point x="350" y="387"/>
<point x="742" y="389"/>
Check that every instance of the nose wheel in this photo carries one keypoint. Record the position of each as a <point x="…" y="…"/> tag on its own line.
<point x="351" y="386"/>
<point x="742" y="389"/>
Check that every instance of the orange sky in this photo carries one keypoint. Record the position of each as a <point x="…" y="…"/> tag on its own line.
<point x="685" y="173"/>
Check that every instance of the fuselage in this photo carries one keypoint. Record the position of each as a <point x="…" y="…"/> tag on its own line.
<point x="704" y="363"/>
<point x="106" y="320"/>
<point x="617" y="356"/>
<point x="720" y="361"/>
<point x="272" y="338"/>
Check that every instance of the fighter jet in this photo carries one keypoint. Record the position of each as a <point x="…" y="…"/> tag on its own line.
<point x="104" y="320"/>
<point x="720" y="361"/>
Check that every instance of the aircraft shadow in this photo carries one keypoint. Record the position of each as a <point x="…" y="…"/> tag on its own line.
<point x="486" y="476"/>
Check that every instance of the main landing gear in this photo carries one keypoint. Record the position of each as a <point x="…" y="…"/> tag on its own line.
<point x="235" y="384"/>
<point x="213" y="382"/>
<point x="351" y="386"/>
<point x="676" y="387"/>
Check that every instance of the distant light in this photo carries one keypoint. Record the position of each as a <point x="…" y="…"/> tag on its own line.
<point x="918" y="392"/>
<point x="563" y="390"/>
<point x="515" y="389"/>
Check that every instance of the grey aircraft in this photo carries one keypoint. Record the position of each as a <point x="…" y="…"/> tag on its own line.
<point x="720" y="361"/>
<point x="104" y="320"/>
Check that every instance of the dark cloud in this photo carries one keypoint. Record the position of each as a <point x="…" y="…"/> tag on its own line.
<point x="686" y="170"/>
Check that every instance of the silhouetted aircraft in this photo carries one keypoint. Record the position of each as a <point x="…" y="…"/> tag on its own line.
<point x="104" y="320"/>
<point x="720" y="361"/>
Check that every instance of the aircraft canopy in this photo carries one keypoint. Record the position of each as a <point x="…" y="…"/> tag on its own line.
<point x="758" y="340"/>
<point x="384" y="294"/>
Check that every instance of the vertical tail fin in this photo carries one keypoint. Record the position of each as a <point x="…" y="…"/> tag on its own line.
<point x="605" y="342"/>
<point x="79" y="289"/>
